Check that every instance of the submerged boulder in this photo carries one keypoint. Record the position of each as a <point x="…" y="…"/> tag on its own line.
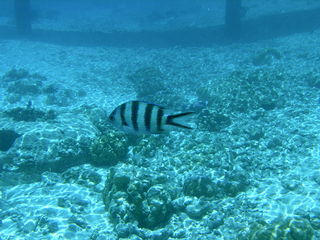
<point x="7" y="139"/>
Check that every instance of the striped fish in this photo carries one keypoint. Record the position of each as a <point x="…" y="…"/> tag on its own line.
<point x="147" y="118"/>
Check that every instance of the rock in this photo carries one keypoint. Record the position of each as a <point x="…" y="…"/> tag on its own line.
<point x="46" y="225"/>
<point x="138" y="198"/>
<point x="315" y="218"/>
<point x="51" y="146"/>
<point x="84" y="175"/>
<point x="74" y="228"/>
<point x="29" y="226"/>
<point x="53" y="226"/>
<point x="274" y="142"/>
<point x="198" y="185"/>
<point x="109" y="149"/>
<point x="78" y="222"/>
<point x="50" y="178"/>
<point x="233" y="183"/>
<point x="215" y="220"/>
<point x="290" y="184"/>
<point x="63" y="203"/>
<point x="197" y="209"/>
<point x="289" y="229"/>
<point x="180" y="204"/>
<point x="160" y="234"/>
<point x="7" y="139"/>
<point x="125" y="230"/>
<point x="121" y="181"/>
<point x="316" y="177"/>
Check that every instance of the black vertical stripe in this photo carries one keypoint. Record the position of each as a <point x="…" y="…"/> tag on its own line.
<point x="122" y="114"/>
<point x="147" y="117"/>
<point x="159" y="120"/>
<point x="134" y="115"/>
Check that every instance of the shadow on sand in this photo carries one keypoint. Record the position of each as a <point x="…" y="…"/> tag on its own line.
<point x="264" y="27"/>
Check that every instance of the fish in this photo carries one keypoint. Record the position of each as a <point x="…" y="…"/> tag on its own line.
<point x="140" y="117"/>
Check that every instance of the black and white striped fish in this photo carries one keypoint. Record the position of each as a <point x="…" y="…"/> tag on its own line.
<point x="147" y="118"/>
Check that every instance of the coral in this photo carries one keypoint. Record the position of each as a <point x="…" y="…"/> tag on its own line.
<point x="109" y="148"/>
<point x="7" y="138"/>
<point x="289" y="229"/>
<point x="137" y="195"/>
<point x="30" y="114"/>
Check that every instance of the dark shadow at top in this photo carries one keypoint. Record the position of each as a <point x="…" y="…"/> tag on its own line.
<point x="264" y="27"/>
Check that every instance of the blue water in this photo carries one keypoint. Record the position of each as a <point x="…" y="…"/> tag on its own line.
<point x="249" y="168"/>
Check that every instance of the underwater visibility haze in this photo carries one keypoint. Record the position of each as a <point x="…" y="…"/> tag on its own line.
<point x="159" y="120"/>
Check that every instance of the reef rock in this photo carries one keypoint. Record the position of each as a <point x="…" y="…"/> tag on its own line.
<point x="135" y="195"/>
<point x="7" y="138"/>
<point x="53" y="145"/>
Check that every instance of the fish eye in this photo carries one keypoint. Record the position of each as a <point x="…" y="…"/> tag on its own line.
<point x="111" y="117"/>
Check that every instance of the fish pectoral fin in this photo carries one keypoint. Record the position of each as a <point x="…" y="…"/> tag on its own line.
<point x="179" y="120"/>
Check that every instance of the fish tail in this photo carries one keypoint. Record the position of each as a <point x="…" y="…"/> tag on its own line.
<point x="179" y="120"/>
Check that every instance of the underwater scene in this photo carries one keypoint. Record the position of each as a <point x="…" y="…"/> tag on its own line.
<point x="160" y="120"/>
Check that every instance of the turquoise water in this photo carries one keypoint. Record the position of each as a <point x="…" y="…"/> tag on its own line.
<point x="248" y="170"/>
